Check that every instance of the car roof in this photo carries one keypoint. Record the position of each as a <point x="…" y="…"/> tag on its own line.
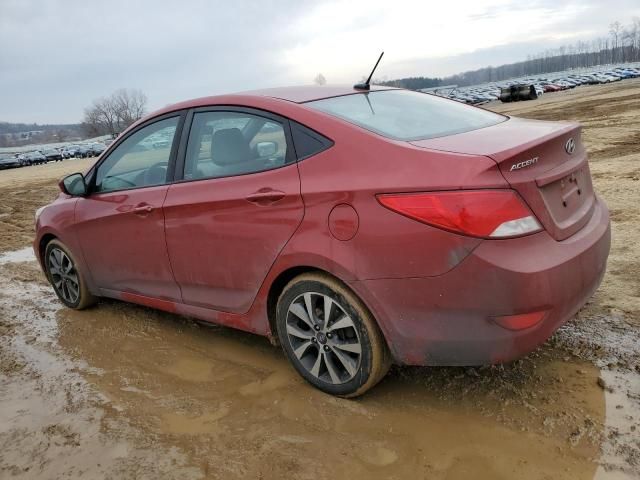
<point x="299" y="94"/>
<point x="307" y="93"/>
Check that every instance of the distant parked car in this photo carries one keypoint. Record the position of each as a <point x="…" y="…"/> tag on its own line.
<point x="626" y="73"/>
<point x="96" y="149"/>
<point x="83" y="151"/>
<point x="21" y="158"/>
<point x="71" y="150"/>
<point x="35" y="158"/>
<point x="611" y="73"/>
<point x="52" y="154"/>
<point x="592" y="80"/>
<point x="605" y="78"/>
<point x="550" y="87"/>
<point x="7" y="161"/>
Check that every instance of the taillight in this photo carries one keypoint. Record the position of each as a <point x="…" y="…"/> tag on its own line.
<point x="478" y="213"/>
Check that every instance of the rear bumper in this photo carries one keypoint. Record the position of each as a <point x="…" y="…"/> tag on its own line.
<point x="446" y="320"/>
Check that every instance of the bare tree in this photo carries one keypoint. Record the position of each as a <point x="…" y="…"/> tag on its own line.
<point x="129" y="106"/>
<point x="114" y="113"/>
<point x="61" y="135"/>
<point x="93" y="123"/>
<point x="320" y="80"/>
<point x="614" y="30"/>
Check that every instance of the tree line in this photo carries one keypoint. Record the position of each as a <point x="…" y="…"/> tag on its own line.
<point x="18" y="134"/>
<point x="413" y="83"/>
<point x="620" y="46"/>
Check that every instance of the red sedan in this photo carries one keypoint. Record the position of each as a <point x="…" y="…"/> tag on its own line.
<point x="355" y="228"/>
<point x="550" y="87"/>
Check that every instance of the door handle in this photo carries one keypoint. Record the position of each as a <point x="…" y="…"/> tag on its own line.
<point x="265" y="196"/>
<point x="142" y="209"/>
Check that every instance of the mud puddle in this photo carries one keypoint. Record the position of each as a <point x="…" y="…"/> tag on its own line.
<point x="121" y="391"/>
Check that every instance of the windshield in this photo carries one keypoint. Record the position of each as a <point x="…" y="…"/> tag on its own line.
<point x="407" y="115"/>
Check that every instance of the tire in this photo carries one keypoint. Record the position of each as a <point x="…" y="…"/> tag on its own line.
<point x="362" y="359"/>
<point x="62" y="273"/>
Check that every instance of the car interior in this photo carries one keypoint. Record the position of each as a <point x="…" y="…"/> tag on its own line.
<point x="221" y="146"/>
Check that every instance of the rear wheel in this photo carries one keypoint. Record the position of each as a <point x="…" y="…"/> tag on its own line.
<point x="66" y="279"/>
<point x="330" y="337"/>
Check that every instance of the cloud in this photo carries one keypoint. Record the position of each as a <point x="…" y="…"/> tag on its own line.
<point x="58" y="55"/>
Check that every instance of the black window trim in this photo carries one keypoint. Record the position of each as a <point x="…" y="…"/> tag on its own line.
<point x="327" y="143"/>
<point x="290" y="158"/>
<point x="171" y="167"/>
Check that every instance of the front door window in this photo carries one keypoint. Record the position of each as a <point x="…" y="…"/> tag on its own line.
<point x="141" y="160"/>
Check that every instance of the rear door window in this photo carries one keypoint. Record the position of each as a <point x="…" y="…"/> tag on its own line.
<point x="223" y="144"/>
<point x="407" y="115"/>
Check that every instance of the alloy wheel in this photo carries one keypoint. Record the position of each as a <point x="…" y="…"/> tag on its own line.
<point x="323" y="338"/>
<point x="64" y="275"/>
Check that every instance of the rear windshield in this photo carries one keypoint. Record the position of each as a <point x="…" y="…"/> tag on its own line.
<point x="407" y="115"/>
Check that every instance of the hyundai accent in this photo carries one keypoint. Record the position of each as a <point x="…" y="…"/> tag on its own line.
<point x="355" y="228"/>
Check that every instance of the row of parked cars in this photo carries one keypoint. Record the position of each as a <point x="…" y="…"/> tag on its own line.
<point x="545" y="83"/>
<point x="38" y="157"/>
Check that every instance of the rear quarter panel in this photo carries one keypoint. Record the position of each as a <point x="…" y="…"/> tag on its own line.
<point x="358" y="167"/>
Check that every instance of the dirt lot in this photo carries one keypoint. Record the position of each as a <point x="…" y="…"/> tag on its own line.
<point x="121" y="391"/>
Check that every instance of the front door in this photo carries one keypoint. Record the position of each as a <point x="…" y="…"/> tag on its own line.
<point x="120" y="225"/>
<point x="237" y="207"/>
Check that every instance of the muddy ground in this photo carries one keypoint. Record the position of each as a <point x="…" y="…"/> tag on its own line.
<point x="120" y="391"/>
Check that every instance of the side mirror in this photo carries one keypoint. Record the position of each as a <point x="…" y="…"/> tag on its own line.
<point x="73" y="185"/>
<point x="266" y="149"/>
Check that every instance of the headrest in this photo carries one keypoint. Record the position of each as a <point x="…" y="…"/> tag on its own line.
<point x="228" y="146"/>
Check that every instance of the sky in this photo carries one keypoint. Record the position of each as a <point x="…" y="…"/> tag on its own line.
<point x="57" y="56"/>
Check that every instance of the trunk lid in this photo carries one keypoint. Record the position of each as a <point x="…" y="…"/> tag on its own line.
<point x="545" y="162"/>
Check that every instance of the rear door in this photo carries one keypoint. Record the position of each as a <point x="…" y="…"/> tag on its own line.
<point x="236" y="207"/>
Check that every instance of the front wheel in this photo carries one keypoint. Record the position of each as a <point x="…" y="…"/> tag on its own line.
<point x="66" y="279"/>
<point x="330" y="337"/>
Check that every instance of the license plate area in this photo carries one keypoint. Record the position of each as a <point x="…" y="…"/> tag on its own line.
<point x="569" y="198"/>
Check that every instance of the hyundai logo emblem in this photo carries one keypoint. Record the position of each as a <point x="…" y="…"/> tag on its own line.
<point x="570" y="146"/>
